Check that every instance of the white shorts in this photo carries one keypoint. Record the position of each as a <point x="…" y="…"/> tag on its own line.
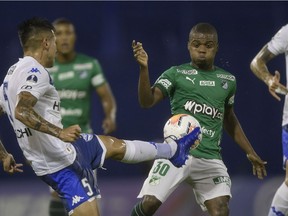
<point x="208" y="177"/>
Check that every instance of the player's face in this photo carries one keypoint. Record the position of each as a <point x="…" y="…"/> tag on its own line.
<point x="66" y="38"/>
<point x="202" y="49"/>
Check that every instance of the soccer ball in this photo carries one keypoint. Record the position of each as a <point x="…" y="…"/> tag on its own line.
<point x="180" y="125"/>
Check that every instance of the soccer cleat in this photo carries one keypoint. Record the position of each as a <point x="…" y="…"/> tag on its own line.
<point x="183" y="147"/>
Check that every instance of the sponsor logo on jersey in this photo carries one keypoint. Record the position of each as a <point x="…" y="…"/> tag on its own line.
<point x="206" y="83"/>
<point x="70" y="112"/>
<point x="32" y="79"/>
<point x="187" y="72"/>
<point x="85" y="66"/>
<point x="23" y="132"/>
<point x="66" y="75"/>
<point x="11" y="70"/>
<point x="34" y="70"/>
<point x="224" y="84"/>
<point x="222" y="179"/>
<point x="26" y="87"/>
<point x="192" y="80"/>
<point x="194" y="108"/>
<point x="76" y="199"/>
<point x="208" y="132"/>
<point x="226" y="76"/>
<point x="165" y="83"/>
<point x="71" y="94"/>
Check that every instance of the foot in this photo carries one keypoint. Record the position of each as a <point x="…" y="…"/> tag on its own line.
<point x="183" y="147"/>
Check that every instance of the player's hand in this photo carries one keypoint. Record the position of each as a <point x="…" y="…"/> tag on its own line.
<point x="70" y="134"/>
<point x="258" y="165"/>
<point x="108" y="125"/>
<point x="276" y="87"/>
<point x="140" y="54"/>
<point x="10" y="166"/>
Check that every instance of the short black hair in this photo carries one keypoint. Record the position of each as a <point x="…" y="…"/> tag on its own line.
<point x="205" y="28"/>
<point x="30" y="29"/>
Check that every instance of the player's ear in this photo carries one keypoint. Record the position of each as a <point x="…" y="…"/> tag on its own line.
<point x="45" y="43"/>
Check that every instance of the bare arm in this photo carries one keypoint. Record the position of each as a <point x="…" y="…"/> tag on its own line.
<point x="25" y="113"/>
<point x="109" y="107"/>
<point x="260" y="69"/>
<point x="234" y="129"/>
<point x="9" y="164"/>
<point x="147" y="96"/>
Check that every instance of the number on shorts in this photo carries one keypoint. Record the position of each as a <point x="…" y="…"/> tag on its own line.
<point x="161" y="168"/>
<point x="86" y="184"/>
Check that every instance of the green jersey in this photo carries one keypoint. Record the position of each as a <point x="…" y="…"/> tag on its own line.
<point x="75" y="81"/>
<point x="203" y="95"/>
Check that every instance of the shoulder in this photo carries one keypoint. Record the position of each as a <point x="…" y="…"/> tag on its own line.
<point x="224" y="74"/>
<point x="181" y="69"/>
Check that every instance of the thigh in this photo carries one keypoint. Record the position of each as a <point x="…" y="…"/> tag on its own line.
<point x="75" y="185"/>
<point x="163" y="179"/>
<point x="210" y="180"/>
<point x="87" y="208"/>
<point x="91" y="150"/>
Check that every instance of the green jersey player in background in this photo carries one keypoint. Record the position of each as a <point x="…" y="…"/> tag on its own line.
<point x="205" y="91"/>
<point x="76" y="76"/>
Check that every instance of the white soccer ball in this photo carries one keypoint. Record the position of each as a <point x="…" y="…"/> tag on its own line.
<point x="180" y="125"/>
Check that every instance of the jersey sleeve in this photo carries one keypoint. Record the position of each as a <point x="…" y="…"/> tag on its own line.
<point x="279" y="42"/>
<point x="165" y="82"/>
<point x="98" y="77"/>
<point x="34" y="80"/>
<point x="231" y="96"/>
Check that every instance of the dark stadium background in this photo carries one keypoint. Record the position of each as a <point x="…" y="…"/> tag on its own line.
<point x="106" y="29"/>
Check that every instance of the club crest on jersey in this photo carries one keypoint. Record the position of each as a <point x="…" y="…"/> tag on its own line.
<point x="32" y="79"/>
<point x="83" y="74"/>
<point x="224" y="84"/>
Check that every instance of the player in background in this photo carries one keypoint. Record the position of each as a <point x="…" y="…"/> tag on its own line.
<point x="64" y="158"/>
<point x="76" y="77"/>
<point x="276" y="46"/>
<point x="207" y="92"/>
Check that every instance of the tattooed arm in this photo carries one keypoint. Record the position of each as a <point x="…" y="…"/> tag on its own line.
<point x="25" y="113"/>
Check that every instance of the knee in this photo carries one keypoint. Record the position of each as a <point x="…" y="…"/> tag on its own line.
<point x="150" y="204"/>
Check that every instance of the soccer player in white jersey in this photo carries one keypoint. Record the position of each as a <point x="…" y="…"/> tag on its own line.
<point x="276" y="46"/>
<point x="64" y="158"/>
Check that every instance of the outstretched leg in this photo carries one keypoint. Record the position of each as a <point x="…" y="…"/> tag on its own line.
<point x="137" y="151"/>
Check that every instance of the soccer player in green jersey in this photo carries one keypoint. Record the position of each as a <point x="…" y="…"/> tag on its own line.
<point x="201" y="89"/>
<point x="76" y="76"/>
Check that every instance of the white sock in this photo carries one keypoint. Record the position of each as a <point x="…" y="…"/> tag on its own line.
<point x="280" y="201"/>
<point x="138" y="151"/>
